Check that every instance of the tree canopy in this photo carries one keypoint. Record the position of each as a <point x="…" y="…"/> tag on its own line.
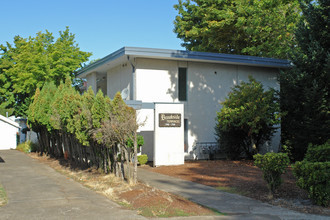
<point x="30" y="62"/>
<point x="258" y="28"/>
<point x="305" y="88"/>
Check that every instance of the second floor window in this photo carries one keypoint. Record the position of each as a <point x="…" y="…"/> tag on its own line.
<point x="182" y="84"/>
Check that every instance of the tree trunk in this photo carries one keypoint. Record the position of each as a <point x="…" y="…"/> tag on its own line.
<point x="135" y="159"/>
<point x="104" y="153"/>
<point x="109" y="160"/>
<point x="128" y="173"/>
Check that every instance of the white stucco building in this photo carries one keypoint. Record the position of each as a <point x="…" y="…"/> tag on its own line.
<point x="197" y="80"/>
<point x="8" y="133"/>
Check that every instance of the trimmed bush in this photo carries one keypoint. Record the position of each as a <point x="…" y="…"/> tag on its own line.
<point x="273" y="166"/>
<point x="314" y="178"/>
<point x="313" y="173"/>
<point x="142" y="159"/>
<point x="320" y="153"/>
<point x="247" y="119"/>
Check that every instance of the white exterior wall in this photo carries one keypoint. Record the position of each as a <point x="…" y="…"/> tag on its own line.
<point x="118" y="79"/>
<point x="208" y="85"/>
<point x="156" y="80"/>
<point x="91" y="81"/>
<point x="8" y="131"/>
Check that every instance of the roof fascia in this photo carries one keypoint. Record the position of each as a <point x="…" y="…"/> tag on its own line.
<point x="113" y="56"/>
<point x="187" y="56"/>
<point x="8" y="121"/>
<point x="207" y="57"/>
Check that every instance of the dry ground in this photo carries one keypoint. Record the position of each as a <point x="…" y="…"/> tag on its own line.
<point x="148" y="201"/>
<point x="240" y="177"/>
<point x="244" y="178"/>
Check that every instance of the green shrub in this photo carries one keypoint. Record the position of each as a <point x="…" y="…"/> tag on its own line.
<point x="247" y="119"/>
<point x="314" y="178"/>
<point x="142" y="159"/>
<point x="313" y="173"/>
<point x="320" y="153"/>
<point x="287" y="149"/>
<point x="27" y="147"/>
<point x="231" y="142"/>
<point x="140" y="141"/>
<point x="273" y="166"/>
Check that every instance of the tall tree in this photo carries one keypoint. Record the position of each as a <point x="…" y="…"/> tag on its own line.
<point x="249" y="27"/>
<point x="305" y="88"/>
<point x="29" y="63"/>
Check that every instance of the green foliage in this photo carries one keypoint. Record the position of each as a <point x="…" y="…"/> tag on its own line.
<point x="305" y="87"/>
<point x="314" y="178"/>
<point x="318" y="153"/>
<point x="86" y="129"/>
<point x="247" y="118"/>
<point x="23" y="147"/>
<point x="259" y="28"/>
<point x="313" y="173"/>
<point x="4" y="110"/>
<point x="273" y="166"/>
<point x="231" y="141"/>
<point x="31" y="62"/>
<point x="27" y="147"/>
<point x="140" y="141"/>
<point x="143" y="159"/>
<point x="287" y="149"/>
<point x="98" y="109"/>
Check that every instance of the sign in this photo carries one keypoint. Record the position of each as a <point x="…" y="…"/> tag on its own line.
<point x="169" y="120"/>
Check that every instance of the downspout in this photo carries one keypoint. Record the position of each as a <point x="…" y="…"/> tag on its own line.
<point x="133" y="86"/>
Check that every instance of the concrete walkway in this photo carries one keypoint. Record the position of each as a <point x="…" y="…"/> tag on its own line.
<point x="36" y="191"/>
<point x="236" y="206"/>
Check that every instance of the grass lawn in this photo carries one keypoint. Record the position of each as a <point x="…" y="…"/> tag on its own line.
<point x="3" y="196"/>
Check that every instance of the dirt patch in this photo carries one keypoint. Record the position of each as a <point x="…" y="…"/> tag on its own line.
<point x="151" y="202"/>
<point x="148" y="201"/>
<point x="244" y="178"/>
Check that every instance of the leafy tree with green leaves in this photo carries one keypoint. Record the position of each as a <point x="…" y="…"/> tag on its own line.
<point x="29" y="63"/>
<point x="4" y="111"/>
<point x="305" y="87"/>
<point x="258" y="28"/>
<point x="247" y="119"/>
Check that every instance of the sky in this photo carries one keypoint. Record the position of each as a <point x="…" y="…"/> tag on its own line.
<point x="100" y="26"/>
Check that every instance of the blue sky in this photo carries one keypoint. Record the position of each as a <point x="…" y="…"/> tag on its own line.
<point x="100" y="26"/>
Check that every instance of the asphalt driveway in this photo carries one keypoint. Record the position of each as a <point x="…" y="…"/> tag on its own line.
<point x="36" y="191"/>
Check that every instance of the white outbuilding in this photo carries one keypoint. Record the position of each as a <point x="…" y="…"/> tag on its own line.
<point x="8" y="133"/>
<point x="179" y="94"/>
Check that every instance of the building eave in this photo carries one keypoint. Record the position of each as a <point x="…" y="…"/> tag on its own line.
<point x="185" y="56"/>
<point x="8" y="121"/>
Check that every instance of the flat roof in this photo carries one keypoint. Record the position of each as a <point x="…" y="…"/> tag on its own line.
<point x="183" y="55"/>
